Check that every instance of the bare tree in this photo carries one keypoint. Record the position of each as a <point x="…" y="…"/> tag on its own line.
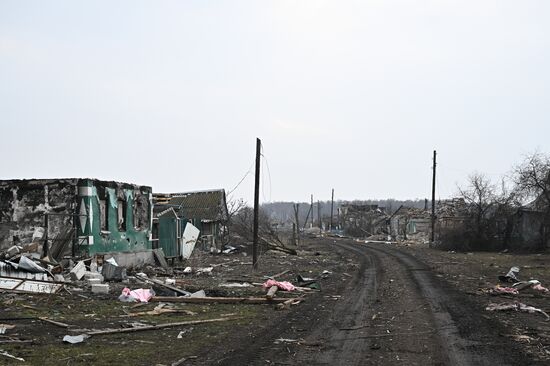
<point x="487" y="218"/>
<point x="233" y="208"/>
<point x="242" y="225"/>
<point x="481" y="197"/>
<point x="532" y="179"/>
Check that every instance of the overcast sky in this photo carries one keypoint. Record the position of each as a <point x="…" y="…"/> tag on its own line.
<point x="353" y="95"/>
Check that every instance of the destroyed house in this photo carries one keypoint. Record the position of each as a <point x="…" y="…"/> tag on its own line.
<point x="75" y="216"/>
<point x="530" y="223"/>
<point x="206" y="210"/>
<point x="362" y="219"/>
<point x="410" y="221"/>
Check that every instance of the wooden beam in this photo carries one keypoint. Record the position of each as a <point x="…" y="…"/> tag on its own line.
<point x="158" y="326"/>
<point x="220" y="300"/>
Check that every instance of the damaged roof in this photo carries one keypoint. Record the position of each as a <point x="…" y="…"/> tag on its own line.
<point x="202" y="205"/>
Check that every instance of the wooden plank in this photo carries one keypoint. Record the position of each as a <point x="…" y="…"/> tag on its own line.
<point x="160" y="283"/>
<point x="221" y="300"/>
<point x="158" y="326"/>
<point x="271" y="292"/>
<point x="59" y="324"/>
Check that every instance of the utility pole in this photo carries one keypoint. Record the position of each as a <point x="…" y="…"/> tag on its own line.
<point x="296" y="216"/>
<point x="331" y="208"/>
<point x="312" y="211"/>
<point x="256" y="204"/>
<point x="433" y="199"/>
<point x="319" y="217"/>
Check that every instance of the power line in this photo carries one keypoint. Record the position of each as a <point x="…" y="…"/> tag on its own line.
<point x="268" y="173"/>
<point x="242" y="179"/>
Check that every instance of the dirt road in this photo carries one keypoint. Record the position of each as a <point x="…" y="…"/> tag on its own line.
<point x="389" y="309"/>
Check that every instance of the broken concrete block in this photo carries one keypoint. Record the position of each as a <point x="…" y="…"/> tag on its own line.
<point x="94" y="281"/>
<point x="100" y="288"/>
<point x="89" y="274"/>
<point x="78" y="271"/>
<point x="113" y="273"/>
<point x="13" y="251"/>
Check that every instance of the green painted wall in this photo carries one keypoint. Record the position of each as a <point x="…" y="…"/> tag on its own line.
<point x="113" y="240"/>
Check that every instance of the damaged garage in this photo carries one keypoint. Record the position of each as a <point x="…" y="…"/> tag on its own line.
<point x="75" y="216"/>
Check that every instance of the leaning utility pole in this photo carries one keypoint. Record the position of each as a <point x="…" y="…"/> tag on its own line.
<point x="331" y="208"/>
<point x="256" y="204"/>
<point x="433" y="199"/>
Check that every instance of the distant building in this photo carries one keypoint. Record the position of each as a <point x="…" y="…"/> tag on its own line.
<point x="80" y="215"/>
<point x="410" y="221"/>
<point x="206" y="210"/>
<point x="362" y="220"/>
<point x="531" y="228"/>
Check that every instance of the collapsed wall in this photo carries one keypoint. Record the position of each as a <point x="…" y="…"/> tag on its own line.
<point x="95" y="216"/>
<point x="23" y="204"/>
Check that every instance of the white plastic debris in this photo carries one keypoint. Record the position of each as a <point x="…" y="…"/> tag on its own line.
<point x="513" y="272"/>
<point x="204" y="270"/>
<point x="75" y="339"/>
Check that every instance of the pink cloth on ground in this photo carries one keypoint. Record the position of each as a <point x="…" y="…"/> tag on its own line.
<point x="285" y="285"/>
<point x="143" y="295"/>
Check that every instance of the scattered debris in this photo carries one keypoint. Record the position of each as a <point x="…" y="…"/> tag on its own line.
<point x="28" y="265"/>
<point x="516" y="306"/>
<point x="279" y="274"/>
<point x="78" y="271"/>
<point x="59" y="324"/>
<point x="271" y="292"/>
<point x="4" y="327"/>
<point x="204" y="270"/>
<point x="160" y="283"/>
<point x="235" y="284"/>
<point x="159" y="256"/>
<point x="287" y="304"/>
<point x="22" y="285"/>
<point x="158" y="326"/>
<point x="221" y="300"/>
<point x="189" y="239"/>
<point x="181" y="361"/>
<point x="4" y="353"/>
<point x="180" y="334"/>
<point x="532" y="284"/>
<point x="505" y="290"/>
<point x="113" y="272"/>
<point x="75" y="339"/>
<point x="100" y="288"/>
<point x="285" y="285"/>
<point x="159" y="309"/>
<point x="286" y="340"/>
<point x="141" y="295"/>
<point x="199" y="293"/>
<point x="511" y="276"/>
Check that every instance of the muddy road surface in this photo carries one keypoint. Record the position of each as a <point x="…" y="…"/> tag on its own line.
<point x="387" y="309"/>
